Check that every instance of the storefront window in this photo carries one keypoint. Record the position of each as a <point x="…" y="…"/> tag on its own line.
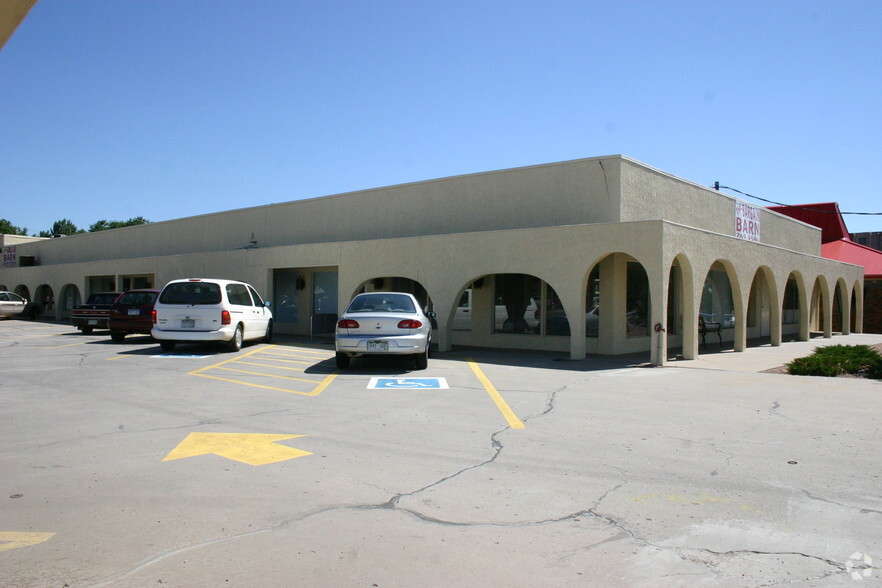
<point x="555" y="317"/>
<point x="286" y="307"/>
<point x="637" y="300"/>
<point x="517" y="303"/>
<point x="717" y="305"/>
<point x="791" y="303"/>
<point x="462" y="320"/>
<point x="673" y="319"/>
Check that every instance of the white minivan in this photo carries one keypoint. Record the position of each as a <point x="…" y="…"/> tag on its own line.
<point x="197" y="310"/>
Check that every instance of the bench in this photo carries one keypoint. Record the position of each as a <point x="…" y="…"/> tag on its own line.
<point x="706" y="327"/>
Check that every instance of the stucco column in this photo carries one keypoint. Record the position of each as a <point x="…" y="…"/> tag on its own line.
<point x="775" y="314"/>
<point x="574" y="305"/>
<point x="828" y="315"/>
<point x="658" y="292"/>
<point x="805" y="311"/>
<point x="441" y="336"/>
<point x="742" y="303"/>
<point x="859" y="310"/>
<point x="845" y="307"/>
<point x="611" y="330"/>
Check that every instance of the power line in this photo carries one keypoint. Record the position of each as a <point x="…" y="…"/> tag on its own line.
<point x="718" y="187"/>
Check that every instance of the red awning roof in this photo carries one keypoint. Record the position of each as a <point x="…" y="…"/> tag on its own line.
<point x="825" y="216"/>
<point x="835" y="241"/>
<point x="851" y="252"/>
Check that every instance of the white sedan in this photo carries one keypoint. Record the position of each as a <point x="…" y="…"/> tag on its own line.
<point x="384" y="323"/>
<point x="11" y="304"/>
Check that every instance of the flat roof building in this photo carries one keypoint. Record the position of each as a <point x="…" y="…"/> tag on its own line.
<point x="602" y="255"/>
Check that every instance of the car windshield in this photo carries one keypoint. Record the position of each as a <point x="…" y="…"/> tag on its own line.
<point x="137" y="298"/>
<point x="191" y="293"/>
<point x="382" y="303"/>
<point x="104" y="298"/>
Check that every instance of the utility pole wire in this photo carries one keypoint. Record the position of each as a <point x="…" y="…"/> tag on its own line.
<point x="718" y="187"/>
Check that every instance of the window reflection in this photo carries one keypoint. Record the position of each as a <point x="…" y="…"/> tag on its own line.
<point x="592" y="304"/>
<point x="637" y="300"/>
<point x="516" y="304"/>
<point x="556" y="322"/>
<point x="791" y="303"/>
<point x="717" y="305"/>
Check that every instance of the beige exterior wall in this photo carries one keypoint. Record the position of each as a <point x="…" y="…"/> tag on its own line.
<point x="648" y="193"/>
<point x="554" y="222"/>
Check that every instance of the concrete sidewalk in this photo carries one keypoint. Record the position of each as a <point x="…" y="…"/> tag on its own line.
<point x="766" y="357"/>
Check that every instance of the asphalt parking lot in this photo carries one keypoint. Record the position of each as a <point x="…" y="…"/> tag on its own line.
<point x="124" y="466"/>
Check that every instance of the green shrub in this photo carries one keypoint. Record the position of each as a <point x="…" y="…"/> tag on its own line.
<point x="835" y="360"/>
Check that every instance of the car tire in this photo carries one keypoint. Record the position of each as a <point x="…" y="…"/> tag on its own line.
<point x="167" y="345"/>
<point x="118" y="336"/>
<point x="268" y="338"/>
<point x="86" y="330"/>
<point x="343" y="361"/>
<point x="421" y="360"/>
<point x="235" y="344"/>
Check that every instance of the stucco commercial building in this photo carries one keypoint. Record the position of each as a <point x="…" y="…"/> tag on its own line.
<point x="603" y="255"/>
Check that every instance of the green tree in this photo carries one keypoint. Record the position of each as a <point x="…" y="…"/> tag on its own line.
<point x="104" y="225"/>
<point x="7" y="228"/>
<point x="62" y="227"/>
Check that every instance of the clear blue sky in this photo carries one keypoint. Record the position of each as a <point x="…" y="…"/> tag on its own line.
<point x="165" y="109"/>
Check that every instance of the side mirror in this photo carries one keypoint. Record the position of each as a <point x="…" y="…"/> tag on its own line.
<point x="430" y="314"/>
<point x="267" y="303"/>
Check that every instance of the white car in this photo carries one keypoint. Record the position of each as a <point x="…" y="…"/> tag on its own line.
<point x="197" y="310"/>
<point x="11" y="304"/>
<point x="384" y="323"/>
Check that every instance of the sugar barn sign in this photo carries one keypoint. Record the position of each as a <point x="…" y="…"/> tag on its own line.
<point x="10" y="259"/>
<point x="747" y="222"/>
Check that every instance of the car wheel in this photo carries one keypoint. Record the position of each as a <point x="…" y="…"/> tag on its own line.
<point x="235" y="343"/>
<point x="422" y="359"/>
<point x="343" y="361"/>
<point x="268" y="338"/>
<point x="86" y="330"/>
<point x="167" y="345"/>
<point x="118" y="336"/>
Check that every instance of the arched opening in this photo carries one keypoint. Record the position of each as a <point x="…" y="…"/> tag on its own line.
<point x="760" y="311"/>
<point x="852" y="318"/>
<point x="816" y="314"/>
<point x="790" y="310"/>
<point x="717" y="307"/>
<point x="70" y="297"/>
<point x="838" y="305"/>
<point x="45" y="298"/>
<point x="510" y="310"/>
<point x="617" y="306"/>
<point x="396" y="284"/>
<point x="24" y="292"/>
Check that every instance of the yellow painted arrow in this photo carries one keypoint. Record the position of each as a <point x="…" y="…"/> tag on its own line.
<point x="253" y="449"/>
<point x="13" y="540"/>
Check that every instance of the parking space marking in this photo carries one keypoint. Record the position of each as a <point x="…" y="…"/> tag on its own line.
<point x="68" y="345"/>
<point x="275" y="364"/>
<point x="15" y="540"/>
<point x="513" y="421"/>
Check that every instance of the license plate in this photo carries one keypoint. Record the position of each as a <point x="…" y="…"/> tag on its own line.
<point x="134" y="312"/>
<point x="188" y="323"/>
<point x="93" y="321"/>
<point x="378" y="346"/>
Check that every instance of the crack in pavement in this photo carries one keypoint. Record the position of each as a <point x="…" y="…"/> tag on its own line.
<point x="708" y="558"/>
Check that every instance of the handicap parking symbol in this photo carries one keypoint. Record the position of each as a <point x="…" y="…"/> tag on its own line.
<point x="408" y="384"/>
